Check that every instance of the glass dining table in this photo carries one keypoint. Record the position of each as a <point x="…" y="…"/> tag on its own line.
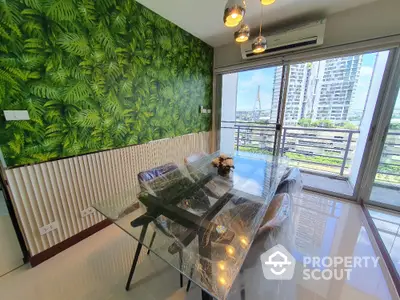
<point x="197" y="221"/>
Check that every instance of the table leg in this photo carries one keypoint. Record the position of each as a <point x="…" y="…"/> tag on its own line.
<point x="190" y="281"/>
<point x="180" y="267"/>
<point x="205" y="257"/>
<point x="205" y="295"/>
<point x="136" y="258"/>
<point x="151" y="242"/>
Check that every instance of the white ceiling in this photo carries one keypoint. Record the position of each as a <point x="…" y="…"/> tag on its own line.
<point x="203" y="18"/>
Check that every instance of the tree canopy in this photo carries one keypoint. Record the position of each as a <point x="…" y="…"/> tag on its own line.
<point x="307" y="122"/>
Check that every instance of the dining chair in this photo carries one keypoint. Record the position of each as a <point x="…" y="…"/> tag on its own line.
<point x="274" y="229"/>
<point x="277" y="213"/>
<point x="291" y="182"/>
<point x="194" y="157"/>
<point x="144" y="178"/>
<point x="281" y="205"/>
<point x="199" y="201"/>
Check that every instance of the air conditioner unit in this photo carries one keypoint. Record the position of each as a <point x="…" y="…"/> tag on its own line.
<point x="301" y="37"/>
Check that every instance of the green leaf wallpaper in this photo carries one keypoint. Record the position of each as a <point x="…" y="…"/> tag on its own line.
<point x="95" y="75"/>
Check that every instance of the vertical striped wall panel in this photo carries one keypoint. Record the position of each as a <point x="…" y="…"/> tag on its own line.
<point x="58" y="191"/>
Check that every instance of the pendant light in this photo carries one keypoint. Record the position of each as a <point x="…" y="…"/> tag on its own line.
<point x="260" y="43"/>
<point x="267" y="2"/>
<point x="243" y="34"/>
<point x="234" y="12"/>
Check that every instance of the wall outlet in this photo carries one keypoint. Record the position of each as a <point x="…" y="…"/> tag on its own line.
<point x="204" y="110"/>
<point x="88" y="211"/>
<point x="47" y="228"/>
<point x="16" y="115"/>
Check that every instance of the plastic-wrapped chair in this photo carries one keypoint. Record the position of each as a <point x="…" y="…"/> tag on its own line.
<point x="278" y="211"/>
<point x="194" y="157"/>
<point x="291" y="183"/>
<point x="250" y="279"/>
<point x="151" y="174"/>
<point x="158" y="181"/>
<point x="281" y="205"/>
<point x="144" y="178"/>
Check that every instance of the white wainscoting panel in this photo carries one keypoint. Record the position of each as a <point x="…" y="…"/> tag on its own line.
<point x="58" y="191"/>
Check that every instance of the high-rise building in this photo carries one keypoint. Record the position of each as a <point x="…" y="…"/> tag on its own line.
<point x="276" y="88"/>
<point x="322" y="90"/>
<point x="337" y="88"/>
<point x="296" y="93"/>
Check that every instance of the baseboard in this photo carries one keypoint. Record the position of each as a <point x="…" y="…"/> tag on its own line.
<point x="52" y="251"/>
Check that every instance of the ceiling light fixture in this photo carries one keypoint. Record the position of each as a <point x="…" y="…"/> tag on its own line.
<point x="242" y="34"/>
<point x="267" y="2"/>
<point x="260" y="43"/>
<point x="234" y="12"/>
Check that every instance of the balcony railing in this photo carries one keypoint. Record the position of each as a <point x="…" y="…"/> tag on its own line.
<point x="318" y="150"/>
<point x="389" y="165"/>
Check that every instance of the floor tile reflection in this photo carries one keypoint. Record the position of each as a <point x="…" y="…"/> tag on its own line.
<point x="388" y="225"/>
<point x="320" y="227"/>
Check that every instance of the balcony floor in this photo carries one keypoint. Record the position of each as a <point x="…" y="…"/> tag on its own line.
<point x="317" y="182"/>
<point x="385" y="195"/>
<point x="322" y="183"/>
<point x="340" y="187"/>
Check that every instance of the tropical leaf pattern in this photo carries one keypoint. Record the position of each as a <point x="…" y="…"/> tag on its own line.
<point x="95" y="75"/>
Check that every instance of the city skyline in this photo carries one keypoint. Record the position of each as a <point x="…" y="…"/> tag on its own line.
<point x="319" y="90"/>
<point x="248" y="82"/>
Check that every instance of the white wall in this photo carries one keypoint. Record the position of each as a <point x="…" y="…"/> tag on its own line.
<point x="228" y="112"/>
<point x="11" y="254"/>
<point x="377" y="19"/>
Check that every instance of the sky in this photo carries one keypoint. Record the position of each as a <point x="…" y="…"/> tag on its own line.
<point x="364" y="81"/>
<point x="249" y="81"/>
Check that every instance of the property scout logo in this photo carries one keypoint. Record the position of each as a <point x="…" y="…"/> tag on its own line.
<point x="278" y="264"/>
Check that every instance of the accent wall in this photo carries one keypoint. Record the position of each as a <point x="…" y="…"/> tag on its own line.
<point x="96" y="75"/>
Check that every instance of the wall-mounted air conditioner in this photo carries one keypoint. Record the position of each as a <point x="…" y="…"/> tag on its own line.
<point x="301" y="37"/>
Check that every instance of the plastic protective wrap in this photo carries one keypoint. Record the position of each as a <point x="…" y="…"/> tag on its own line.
<point x="205" y="224"/>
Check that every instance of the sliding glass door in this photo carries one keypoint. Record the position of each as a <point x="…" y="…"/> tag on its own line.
<point x="337" y="119"/>
<point x="320" y="114"/>
<point x="250" y="111"/>
<point x="328" y="114"/>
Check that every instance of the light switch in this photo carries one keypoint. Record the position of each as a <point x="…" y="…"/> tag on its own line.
<point x="16" y="115"/>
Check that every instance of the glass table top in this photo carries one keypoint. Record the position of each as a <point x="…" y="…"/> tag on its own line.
<point x="204" y="223"/>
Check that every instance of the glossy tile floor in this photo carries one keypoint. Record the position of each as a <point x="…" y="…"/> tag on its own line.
<point x="388" y="225"/>
<point x="320" y="226"/>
